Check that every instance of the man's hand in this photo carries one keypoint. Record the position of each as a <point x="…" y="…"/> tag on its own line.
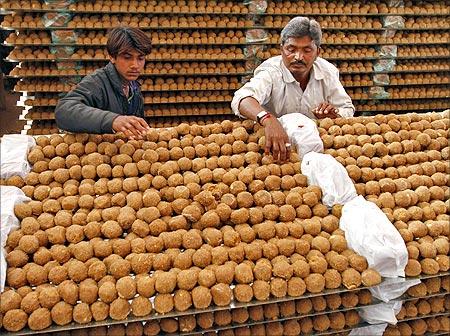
<point x="325" y="110"/>
<point x="277" y="141"/>
<point x="133" y="127"/>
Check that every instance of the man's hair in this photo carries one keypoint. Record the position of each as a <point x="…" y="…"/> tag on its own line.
<point x="301" y="26"/>
<point x="123" y="39"/>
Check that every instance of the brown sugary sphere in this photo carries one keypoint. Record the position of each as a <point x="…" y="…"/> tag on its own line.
<point x="82" y="313"/>
<point x="413" y="268"/>
<point x="263" y="270"/>
<point x="68" y="291"/>
<point x="36" y="275"/>
<point x="107" y="292"/>
<point x="278" y="287"/>
<point x="100" y="310"/>
<point x="119" y="267"/>
<point x="222" y="318"/>
<point x="359" y="263"/>
<point x="182" y="300"/>
<point x="261" y="290"/>
<point x="319" y="303"/>
<point x="429" y="266"/>
<point x="243" y="273"/>
<point x="351" y="278"/>
<point x="165" y="282"/>
<point x="77" y="270"/>
<point x="126" y="287"/>
<point x="119" y="309"/>
<point x="48" y="297"/>
<point x="163" y="303"/>
<point x="271" y="311"/>
<point x="14" y="320"/>
<point x="16" y="277"/>
<point x="206" y="278"/>
<point x="16" y="258"/>
<point x="321" y="323"/>
<point x="351" y="318"/>
<point x="39" y="319"/>
<point x="30" y="302"/>
<point x="10" y="299"/>
<point x="61" y="313"/>
<point x="201" y="297"/>
<point x="141" y="306"/>
<point x="145" y="285"/>
<point x="370" y="277"/>
<point x="296" y="287"/>
<point x="349" y="299"/>
<point x="243" y="293"/>
<point x="317" y="264"/>
<point x="282" y="269"/>
<point x="333" y="279"/>
<point x="29" y="244"/>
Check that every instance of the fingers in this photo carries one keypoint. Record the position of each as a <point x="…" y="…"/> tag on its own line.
<point x="325" y="110"/>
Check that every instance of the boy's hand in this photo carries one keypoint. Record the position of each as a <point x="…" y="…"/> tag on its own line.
<point x="133" y="127"/>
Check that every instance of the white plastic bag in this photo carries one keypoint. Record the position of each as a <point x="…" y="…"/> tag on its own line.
<point x="9" y="197"/>
<point x="370" y="233"/>
<point x="392" y="288"/>
<point x="14" y="151"/>
<point x="302" y="133"/>
<point x="373" y="330"/>
<point x="382" y="312"/>
<point x="323" y="170"/>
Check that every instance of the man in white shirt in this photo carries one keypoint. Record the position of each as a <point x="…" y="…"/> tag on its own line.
<point x="297" y="81"/>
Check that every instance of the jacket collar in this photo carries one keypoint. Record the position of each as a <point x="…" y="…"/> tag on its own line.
<point x="316" y="70"/>
<point x="114" y="76"/>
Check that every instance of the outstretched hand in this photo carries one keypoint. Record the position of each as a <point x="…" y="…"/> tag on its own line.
<point x="133" y="127"/>
<point x="325" y="110"/>
<point x="277" y="141"/>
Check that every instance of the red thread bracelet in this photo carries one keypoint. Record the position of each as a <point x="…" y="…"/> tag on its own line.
<point x="267" y="116"/>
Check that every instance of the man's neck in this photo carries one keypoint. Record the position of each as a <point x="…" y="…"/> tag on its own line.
<point x="303" y="79"/>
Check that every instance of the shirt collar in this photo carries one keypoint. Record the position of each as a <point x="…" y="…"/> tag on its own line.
<point x="317" y="72"/>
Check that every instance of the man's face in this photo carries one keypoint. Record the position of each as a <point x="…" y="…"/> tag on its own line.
<point x="129" y="64"/>
<point x="299" y="54"/>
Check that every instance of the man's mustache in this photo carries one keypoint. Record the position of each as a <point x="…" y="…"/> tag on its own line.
<point x="298" y="62"/>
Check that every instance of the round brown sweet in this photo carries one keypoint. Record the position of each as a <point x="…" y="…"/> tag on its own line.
<point x="370" y="277"/>
<point x="9" y="300"/>
<point x="14" y="320"/>
<point x="351" y="278"/>
<point x="30" y="302"/>
<point x="165" y="282"/>
<point x="107" y="292"/>
<point x="201" y="297"/>
<point x="40" y="319"/>
<point x="48" y="297"/>
<point x="119" y="309"/>
<point x="100" y="310"/>
<point x="429" y="266"/>
<point x="243" y="293"/>
<point x="333" y="279"/>
<point x="359" y="263"/>
<point x="163" y="303"/>
<point x="61" y="313"/>
<point x="278" y="287"/>
<point x="296" y="287"/>
<point x="315" y="283"/>
<point x="68" y="291"/>
<point x="82" y="313"/>
<point x="36" y="275"/>
<point x="413" y="268"/>
<point x="141" y="306"/>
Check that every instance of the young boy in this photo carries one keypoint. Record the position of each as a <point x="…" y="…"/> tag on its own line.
<point x="110" y="100"/>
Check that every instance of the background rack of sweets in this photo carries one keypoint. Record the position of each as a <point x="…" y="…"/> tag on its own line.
<point x="392" y="55"/>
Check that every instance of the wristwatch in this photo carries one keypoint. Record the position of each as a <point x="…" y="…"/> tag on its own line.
<point x="261" y="115"/>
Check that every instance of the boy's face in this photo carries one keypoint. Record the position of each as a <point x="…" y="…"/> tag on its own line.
<point x="129" y="64"/>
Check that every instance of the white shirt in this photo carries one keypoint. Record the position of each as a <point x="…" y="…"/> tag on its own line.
<point x="277" y="91"/>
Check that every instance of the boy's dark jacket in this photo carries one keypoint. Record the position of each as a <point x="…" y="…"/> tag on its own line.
<point x="94" y="103"/>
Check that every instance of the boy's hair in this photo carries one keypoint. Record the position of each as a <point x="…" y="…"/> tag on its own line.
<point x="123" y="39"/>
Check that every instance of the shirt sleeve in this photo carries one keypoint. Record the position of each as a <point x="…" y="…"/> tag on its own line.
<point x="259" y="87"/>
<point x="339" y="98"/>
<point x="76" y="112"/>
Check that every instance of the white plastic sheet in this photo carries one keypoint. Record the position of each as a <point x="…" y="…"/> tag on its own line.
<point x="323" y="170"/>
<point x="302" y="133"/>
<point x="382" y="312"/>
<point x="370" y="233"/>
<point x="14" y="150"/>
<point x="373" y="330"/>
<point x="9" y="197"/>
<point x="392" y="288"/>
